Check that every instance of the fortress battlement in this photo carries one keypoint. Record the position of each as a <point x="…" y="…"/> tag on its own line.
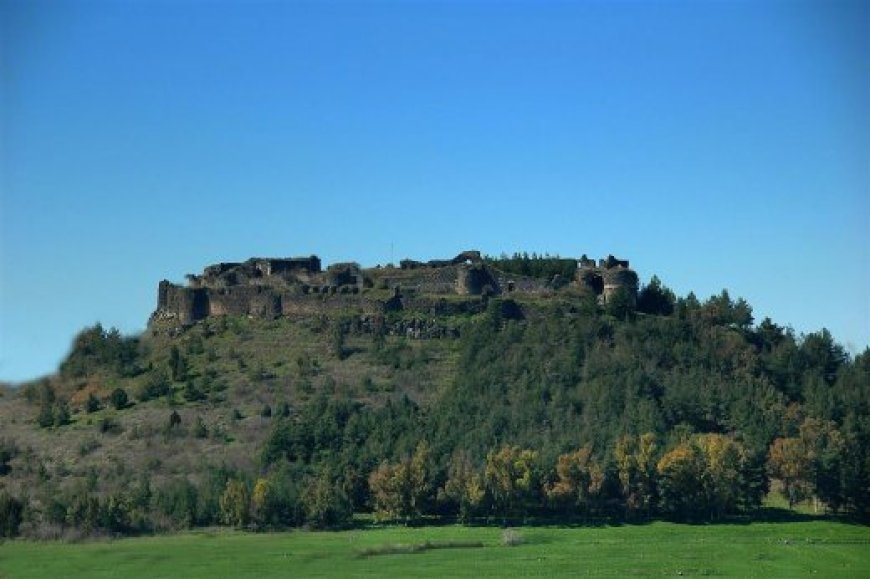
<point x="273" y="287"/>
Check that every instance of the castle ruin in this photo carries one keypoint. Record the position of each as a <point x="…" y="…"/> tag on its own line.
<point x="269" y="288"/>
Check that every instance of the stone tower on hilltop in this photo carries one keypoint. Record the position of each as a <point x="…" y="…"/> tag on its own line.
<point x="606" y="278"/>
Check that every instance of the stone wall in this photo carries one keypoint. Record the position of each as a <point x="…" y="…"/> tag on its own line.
<point x="608" y="277"/>
<point x="269" y="288"/>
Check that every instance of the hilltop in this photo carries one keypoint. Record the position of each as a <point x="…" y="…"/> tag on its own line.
<point x="274" y="392"/>
<point x="267" y="288"/>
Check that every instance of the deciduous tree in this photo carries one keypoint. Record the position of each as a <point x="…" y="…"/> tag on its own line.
<point x="511" y="477"/>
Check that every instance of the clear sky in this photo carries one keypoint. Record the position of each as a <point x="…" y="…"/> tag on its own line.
<point x="715" y="144"/>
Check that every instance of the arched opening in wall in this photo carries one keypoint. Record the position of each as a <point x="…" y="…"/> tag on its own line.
<point x="596" y="282"/>
<point x="200" y="305"/>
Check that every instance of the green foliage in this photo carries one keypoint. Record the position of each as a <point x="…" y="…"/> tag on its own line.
<point x="118" y="398"/>
<point x="721" y="310"/>
<point x="654" y="298"/>
<point x="789" y="550"/>
<point x="156" y="384"/>
<point x="326" y="504"/>
<point x="579" y="482"/>
<point x="401" y="490"/>
<point x="235" y="503"/>
<point x="96" y="351"/>
<point x="337" y="338"/>
<point x="45" y="418"/>
<point x="540" y="266"/>
<point x="635" y="458"/>
<point x="705" y="478"/>
<point x="11" y="515"/>
<point x="620" y="304"/>
<point x="512" y="479"/>
<point x="92" y="404"/>
<point x="108" y="425"/>
<point x="174" y="420"/>
<point x="276" y="500"/>
<point x="673" y="413"/>
<point x="464" y="487"/>
<point x="200" y="430"/>
<point x="177" y="365"/>
<point x="191" y="393"/>
<point x="177" y="501"/>
<point x="61" y="413"/>
<point x="54" y="413"/>
<point x="8" y="451"/>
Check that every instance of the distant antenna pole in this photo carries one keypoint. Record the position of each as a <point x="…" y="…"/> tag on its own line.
<point x="391" y="252"/>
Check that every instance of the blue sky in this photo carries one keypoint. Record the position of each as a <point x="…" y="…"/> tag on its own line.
<point x="715" y="144"/>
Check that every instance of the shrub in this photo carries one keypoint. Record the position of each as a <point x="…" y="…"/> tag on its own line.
<point x="61" y="413"/>
<point x="200" y="430"/>
<point x="92" y="404"/>
<point x="8" y="450"/>
<point x="156" y="385"/>
<point x="109" y="425"/>
<point x="11" y="514"/>
<point x="234" y="503"/>
<point x="326" y="503"/>
<point x="118" y="398"/>
<point x="96" y="350"/>
<point x="192" y="393"/>
<point x="46" y="416"/>
<point x="174" y="420"/>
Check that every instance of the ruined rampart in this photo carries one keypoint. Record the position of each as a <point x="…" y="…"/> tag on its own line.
<point x="269" y="288"/>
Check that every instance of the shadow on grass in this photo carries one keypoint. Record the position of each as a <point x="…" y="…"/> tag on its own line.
<point x="401" y="549"/>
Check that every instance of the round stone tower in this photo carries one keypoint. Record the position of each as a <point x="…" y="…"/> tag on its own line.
<point x="616" y="278"/>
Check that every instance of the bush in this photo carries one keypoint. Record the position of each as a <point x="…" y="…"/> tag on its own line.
<point x="192" y="393"/>
<point x="174" y="420"/>
<point x="118" y="398"/>
<point x="200" y="430"/>
<point x="92" y="404"/>
<point x="155" y="385"/>
<point x="234" y="503"/>
<point x="11" y="514"/>
<point x="283" y="410"/>
<point x="8" y="451"/>
<point x="177" y="501"/>
<point x="109" y="425"/>
<point x="326" y="503"/>
<point x="61" y="413"/>
<point x="96" y="350"/>
<point x="46" y="416"/>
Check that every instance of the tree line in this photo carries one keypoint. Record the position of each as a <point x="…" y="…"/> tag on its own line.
<point x="676" y="408"/>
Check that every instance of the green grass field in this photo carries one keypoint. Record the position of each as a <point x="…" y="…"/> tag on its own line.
<point x="793" y="549"/>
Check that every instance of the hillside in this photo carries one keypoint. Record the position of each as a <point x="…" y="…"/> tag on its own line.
<point x="275" y="394"/>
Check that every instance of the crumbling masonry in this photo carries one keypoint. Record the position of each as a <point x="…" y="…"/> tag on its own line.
<point x="269" y="288"/>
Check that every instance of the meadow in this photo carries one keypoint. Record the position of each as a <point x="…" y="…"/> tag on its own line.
<point x="792" y="549"/>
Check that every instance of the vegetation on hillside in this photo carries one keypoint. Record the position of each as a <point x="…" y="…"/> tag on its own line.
<point x="676" y="408"/>
<point x="544" y="266"/>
